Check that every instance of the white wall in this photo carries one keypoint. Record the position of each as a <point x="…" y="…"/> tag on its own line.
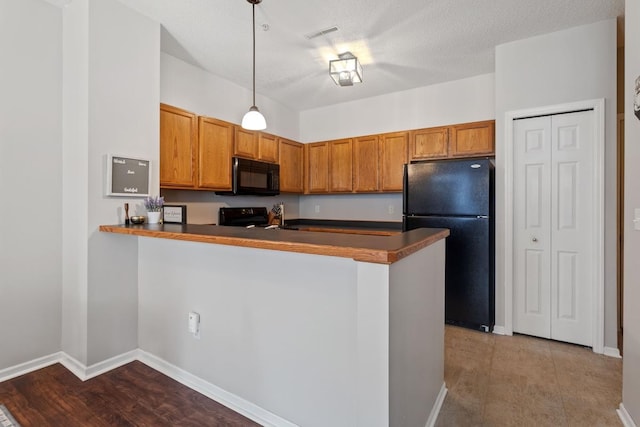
<point x="631" y="365"/>
<point x="113" y="84"/>
<point x="448" y="103"/>
<point x="458" y="101"/>
<point x="193" y="89"/>
<point x="571" y="65"/>
<point x="74" y="180"/>
<point x="364" y="207"/>
<point x="30" y="180"/>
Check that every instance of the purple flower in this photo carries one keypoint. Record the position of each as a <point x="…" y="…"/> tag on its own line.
<point x="153" y="204"/>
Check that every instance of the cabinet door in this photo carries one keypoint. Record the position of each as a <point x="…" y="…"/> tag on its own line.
<point x="366" y="157"/>
<point x="216" y="148"/>
<point x="317" y="165"/>
<point x="429" y="143"/>
<point x="267" y="147"/>
<point x="246" y="143"/>
<point x="393" y="156"/>
<point x="291" y="166"/>
<point x="472" y="139"/>
<point x="341" y="166"/>
<point x="178" y="148"/>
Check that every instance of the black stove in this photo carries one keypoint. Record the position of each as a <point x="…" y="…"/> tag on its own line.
<point x="243" y="217"/>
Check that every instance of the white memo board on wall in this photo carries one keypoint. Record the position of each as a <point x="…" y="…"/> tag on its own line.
<point x="127" y="176"/>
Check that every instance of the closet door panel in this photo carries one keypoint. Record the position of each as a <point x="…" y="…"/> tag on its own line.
<point x="572" y="227"/>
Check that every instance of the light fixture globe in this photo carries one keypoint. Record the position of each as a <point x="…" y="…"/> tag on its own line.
<point x="254" y="120"/>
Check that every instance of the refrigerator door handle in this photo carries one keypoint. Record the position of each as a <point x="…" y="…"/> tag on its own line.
<point x="405" y="186"/>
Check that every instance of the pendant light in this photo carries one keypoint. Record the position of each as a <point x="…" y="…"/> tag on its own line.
<point x="254" y="120"/>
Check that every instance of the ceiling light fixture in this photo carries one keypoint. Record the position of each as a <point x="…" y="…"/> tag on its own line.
<point x="346" y="70"/>
<point x="254" y="120"/>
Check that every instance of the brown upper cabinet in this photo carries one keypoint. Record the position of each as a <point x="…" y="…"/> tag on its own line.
<point x="329" y="166"/>
<point x="472" y="139"/>
<point x="341" y="166"/>
<point x="316" y="159"/>
<point x="178" y="148"/>
<point x="195" y="153"/>
<point x="255" y="145"/>
<point x="463" y="140"/>
<point x="429" y="143"/>
<point x="216" y="148"/>
<point x="393" y="156"/>
<point x="366" y="158"/>
<point x="268" y="148"/>
<point x="245" y="143"/>
<point x="291" y="155"/>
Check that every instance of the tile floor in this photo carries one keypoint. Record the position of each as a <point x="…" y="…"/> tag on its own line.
<point x="496" y="380"/>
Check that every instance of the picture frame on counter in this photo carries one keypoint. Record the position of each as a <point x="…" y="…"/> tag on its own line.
<point x="174" y="214"/>
<point x="127" y="176"/>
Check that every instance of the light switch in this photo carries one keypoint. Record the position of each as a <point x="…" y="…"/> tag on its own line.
<point x="636" y="219"/>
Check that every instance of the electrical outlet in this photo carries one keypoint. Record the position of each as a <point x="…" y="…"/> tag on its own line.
<point x="317" y="208"/>
<point x="392" y="209"/>
<point x="194" y="324"/>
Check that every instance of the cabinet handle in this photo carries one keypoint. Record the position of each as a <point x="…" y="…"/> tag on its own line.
<point x="534" y="239"/>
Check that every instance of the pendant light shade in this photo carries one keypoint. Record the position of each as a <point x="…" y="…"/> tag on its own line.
<point x="254" y="120"/>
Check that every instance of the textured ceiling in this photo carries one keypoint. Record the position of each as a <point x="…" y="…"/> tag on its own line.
<point x="402" y="44"/>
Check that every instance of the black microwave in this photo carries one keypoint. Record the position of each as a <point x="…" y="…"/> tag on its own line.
<point x="251" y="177"/>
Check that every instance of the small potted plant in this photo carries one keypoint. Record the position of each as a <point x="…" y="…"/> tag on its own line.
<point x="153" y="205"/>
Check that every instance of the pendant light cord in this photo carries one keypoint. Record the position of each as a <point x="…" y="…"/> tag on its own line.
<point x="253" y="7"/>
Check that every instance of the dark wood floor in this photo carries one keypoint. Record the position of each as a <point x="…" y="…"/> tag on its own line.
<point x="132" y="395"/>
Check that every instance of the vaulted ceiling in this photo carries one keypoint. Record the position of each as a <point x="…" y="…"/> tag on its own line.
<point x="401" y="44"/>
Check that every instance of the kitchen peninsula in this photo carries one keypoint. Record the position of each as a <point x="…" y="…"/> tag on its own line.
<point x="298" y="327"/>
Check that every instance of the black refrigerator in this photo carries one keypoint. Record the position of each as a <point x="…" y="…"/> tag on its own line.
<point x="458" y="195"/>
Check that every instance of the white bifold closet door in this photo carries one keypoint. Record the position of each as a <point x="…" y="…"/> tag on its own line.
<point x="554" y="226"/>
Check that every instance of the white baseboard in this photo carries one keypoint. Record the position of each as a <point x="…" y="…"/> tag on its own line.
<point x="26" y="367"/>
<point x="435" y="411"/>
<point x="625" y="417"/>
<point x="612" y="352"/>
<point x="499" y="330"/>
<point x="224" y="397"/>
<point x="86" y="372"/>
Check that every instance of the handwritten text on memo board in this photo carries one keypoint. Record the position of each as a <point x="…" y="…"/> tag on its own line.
<point x="127" y="176"/>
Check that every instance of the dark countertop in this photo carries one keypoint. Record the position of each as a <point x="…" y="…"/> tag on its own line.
<point x="384" y="228"/>
<point x="381" y="249"/>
